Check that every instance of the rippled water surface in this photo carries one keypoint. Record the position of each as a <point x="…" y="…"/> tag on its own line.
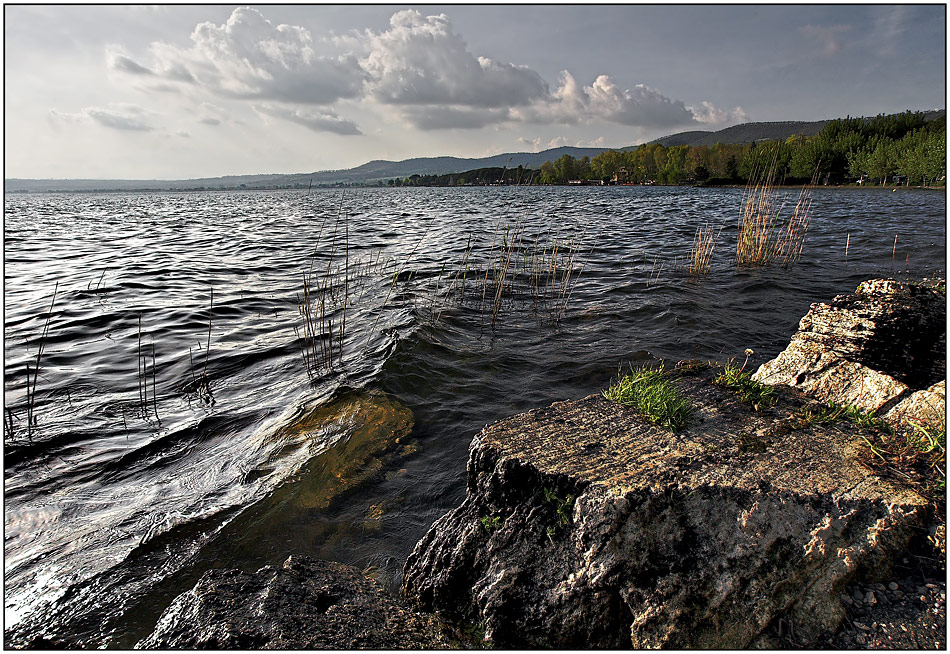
<point x="155" y="457"/>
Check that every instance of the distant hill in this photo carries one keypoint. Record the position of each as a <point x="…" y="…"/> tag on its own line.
<point x="682" y="138"/>
<point x="745" y="133"/>
<point x="379" y="170"/>
<point x="369" y="172"/>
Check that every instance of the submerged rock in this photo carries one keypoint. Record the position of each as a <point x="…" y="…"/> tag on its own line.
<point x="305" y="604"/>
<point x="354" y="436"/>
<point x="873" y="349"/>
<point x="585" y="526"/>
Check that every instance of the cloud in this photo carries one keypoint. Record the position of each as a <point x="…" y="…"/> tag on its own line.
<point x="422" y="61"/>
<point x="315" y="119"/>
<point x="439" y="117"/>
<point x="826" y="36"/>
<point x="418" y="68"/>
<point x="213" y="115"/>
<point x="125" y="117"/>
<point x="708" y="114"/>
<point x="890" y="23"/>
<point x="122" y="63"/>
<point x="537" y="144"/>
<point x="248" y="57"/>
<point x="603" y="100"/>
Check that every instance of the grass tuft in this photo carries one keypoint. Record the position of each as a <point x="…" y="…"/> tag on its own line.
<point x="653" y="395"/>
<point x="749" y="391"/>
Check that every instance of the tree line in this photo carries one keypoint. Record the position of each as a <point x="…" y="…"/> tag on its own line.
<point x="491" y="176"/>
<point x="846" y="150"/>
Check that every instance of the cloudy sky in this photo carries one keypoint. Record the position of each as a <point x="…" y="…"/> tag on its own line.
<point x="174" y="92"/>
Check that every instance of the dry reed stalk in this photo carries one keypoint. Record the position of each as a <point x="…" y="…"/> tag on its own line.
<point x="704" y="244"/>
<point x="154" y="391"/>
<point x="792" y="235"/>
<point x="142" y="394"/>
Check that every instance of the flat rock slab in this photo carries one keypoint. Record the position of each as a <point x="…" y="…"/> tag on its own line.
<point x="305" y="604"/>
<point x="872" y="349"/>
<point x="585" y="526"/>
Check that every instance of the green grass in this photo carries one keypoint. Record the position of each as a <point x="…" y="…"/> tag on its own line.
<point x="919" y="451"/>
<point x="490" y="524"/>
<point x="563" y="512"/>
<point x="749" y="391"/>
<point x="653" y="395"/>
<point x="836" y="412"/>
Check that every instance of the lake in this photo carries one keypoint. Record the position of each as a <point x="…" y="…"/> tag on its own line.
<point x="194" y="336"/>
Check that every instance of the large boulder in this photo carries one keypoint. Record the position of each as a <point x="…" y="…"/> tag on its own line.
<point x="304" y="604"/>
<point x="874" y="349"/>
<point x="585" y="526"/>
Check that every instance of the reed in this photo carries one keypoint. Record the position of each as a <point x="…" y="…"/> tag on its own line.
<point x="704" y="244"/>
<point x="32" y="379"/>
<point x="758" y="218"/>
<point x="791" y="237"/>
<point x="764" y="237"/>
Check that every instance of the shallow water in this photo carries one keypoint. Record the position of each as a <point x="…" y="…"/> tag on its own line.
<point x="115" y="505"/>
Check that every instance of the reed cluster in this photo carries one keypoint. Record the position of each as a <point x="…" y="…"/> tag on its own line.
<point x="325" y="294"/>
<point x="142" y="378"/>
<point x="764" y="237"/>
<point x="201" y="384"/>
<point x="329" y="290"/>
<point x="704" y="244"/>
<point x="538" y="268"/>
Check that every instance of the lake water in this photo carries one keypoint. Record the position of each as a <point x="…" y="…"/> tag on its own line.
<point x="155" y="457"/>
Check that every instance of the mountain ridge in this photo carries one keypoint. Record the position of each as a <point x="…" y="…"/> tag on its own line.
<point x="377" y="170"/>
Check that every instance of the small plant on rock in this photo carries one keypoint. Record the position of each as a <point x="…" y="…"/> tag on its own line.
<point x="490" y="523"/>
<point x="651" y="393"/>
<point x="749" y="391"/>
<point x="563" y="511"/>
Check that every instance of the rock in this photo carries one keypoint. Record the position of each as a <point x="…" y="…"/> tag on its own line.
<point x="305" y="604"/>
<point x="893" y="586"/>
<point x="882" y="348"/>
<point x="357" y="431"/>
<point x="611" y="533"/>
<point x="921" y="407"/>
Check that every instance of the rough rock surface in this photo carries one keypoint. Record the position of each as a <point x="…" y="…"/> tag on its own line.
<point x="305" y="604"/>
<point x="702" y="539"/>
<point x="871" y="349"/>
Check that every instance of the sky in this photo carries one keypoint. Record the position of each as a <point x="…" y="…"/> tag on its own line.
<point x="187" y="91"/>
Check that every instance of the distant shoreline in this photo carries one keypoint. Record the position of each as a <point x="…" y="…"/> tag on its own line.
<point x="854" y="187"/>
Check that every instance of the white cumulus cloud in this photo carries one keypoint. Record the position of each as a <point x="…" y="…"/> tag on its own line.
<point x="422" y="61"/>
<point x="249" y="57"/>
<point x="642" y="106"/>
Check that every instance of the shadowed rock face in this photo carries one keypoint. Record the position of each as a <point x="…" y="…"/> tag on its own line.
<point x="871" y="349"/>
<point x="305" y="604"/>
<point x="696" y="540"/>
